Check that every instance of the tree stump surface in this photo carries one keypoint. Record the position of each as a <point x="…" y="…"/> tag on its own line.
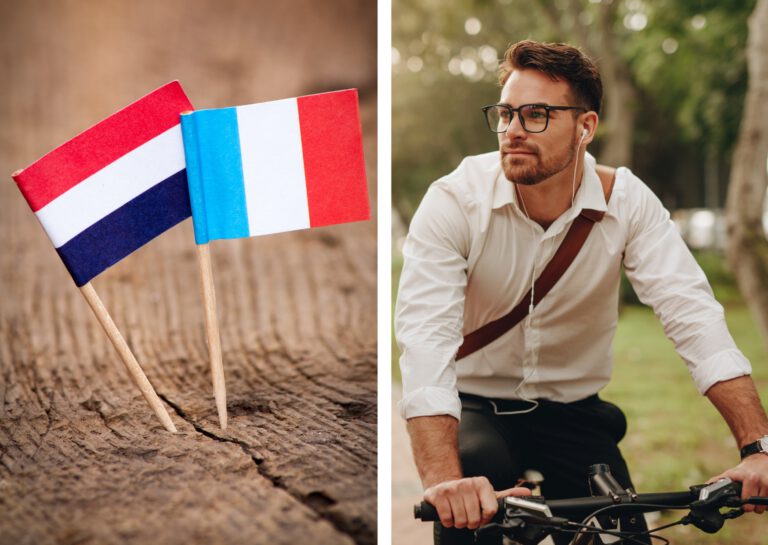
<point x="83" y="460"/>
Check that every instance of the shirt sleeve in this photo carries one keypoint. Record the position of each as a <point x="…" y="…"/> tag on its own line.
<point x="666" y="277"/>
<point x="430" y="305"/>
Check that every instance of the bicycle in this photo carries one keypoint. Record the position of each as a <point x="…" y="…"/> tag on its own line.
<point x="530" y="520"/>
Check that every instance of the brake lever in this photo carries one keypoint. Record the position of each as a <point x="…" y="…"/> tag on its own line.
<point x="722" y="493"/>
<point x="705" y="512"/>
<point x="725" y="487"/>
<point x="492" y="531"/>
<point x="523" y="527"/>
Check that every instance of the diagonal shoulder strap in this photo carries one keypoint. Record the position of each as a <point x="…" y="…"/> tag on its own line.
<point x="564" y="256"/>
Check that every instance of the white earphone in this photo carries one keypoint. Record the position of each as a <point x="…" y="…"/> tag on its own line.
<point x="584" y="133"/>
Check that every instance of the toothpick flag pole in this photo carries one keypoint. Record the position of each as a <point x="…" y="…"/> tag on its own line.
<point x="133" y="367"/>
<point x="212" y="332"/>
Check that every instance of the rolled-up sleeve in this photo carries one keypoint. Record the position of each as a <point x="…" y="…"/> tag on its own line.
<point x="666" y="277"/>
<point x="430" y="305"/>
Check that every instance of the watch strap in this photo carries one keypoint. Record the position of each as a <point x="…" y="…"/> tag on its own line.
<point x="754" y="448"/>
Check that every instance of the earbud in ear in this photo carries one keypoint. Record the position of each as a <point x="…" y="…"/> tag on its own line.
<point x="584" y="133"/>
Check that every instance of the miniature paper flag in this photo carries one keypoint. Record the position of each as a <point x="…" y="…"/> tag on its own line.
<point x="275" y="166"/>
<point x="114" y="187"/>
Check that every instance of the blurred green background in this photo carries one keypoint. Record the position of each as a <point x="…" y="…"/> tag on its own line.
<point x="674" y="76"/>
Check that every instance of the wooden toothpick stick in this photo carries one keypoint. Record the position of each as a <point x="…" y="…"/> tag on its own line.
<point x="133" y="367"/>
<point x="212" y="331"/>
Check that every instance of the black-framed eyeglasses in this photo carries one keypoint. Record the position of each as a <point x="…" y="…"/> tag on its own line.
<point x="533" y="117"/>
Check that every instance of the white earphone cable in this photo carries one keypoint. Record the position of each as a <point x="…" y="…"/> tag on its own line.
<point x="531" y="308"/>
<point x="527" y="324"/>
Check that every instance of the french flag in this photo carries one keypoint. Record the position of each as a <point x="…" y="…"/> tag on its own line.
<point x="275" y="166"/>
<point x="114" y="187"/>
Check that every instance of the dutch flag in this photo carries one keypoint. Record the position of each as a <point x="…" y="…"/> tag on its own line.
<point x="114" y="187"/>
<point x="275" y="166"/>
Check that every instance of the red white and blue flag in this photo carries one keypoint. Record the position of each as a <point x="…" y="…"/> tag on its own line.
<point x="114" y="187"/>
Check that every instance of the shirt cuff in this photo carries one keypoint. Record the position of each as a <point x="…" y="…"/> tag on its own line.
<point x="430" y="401"/>
<point x="720" y="367"/>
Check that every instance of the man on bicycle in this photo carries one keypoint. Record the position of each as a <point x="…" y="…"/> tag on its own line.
<point x="477" y="244"/>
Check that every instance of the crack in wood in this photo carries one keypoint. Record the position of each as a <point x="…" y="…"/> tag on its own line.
<point x="319" y="502"/>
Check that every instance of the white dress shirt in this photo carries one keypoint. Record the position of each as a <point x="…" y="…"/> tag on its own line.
<point x="471" y="255"/>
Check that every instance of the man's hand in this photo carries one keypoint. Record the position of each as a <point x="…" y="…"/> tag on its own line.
<point x="738" y="402"/>
<point x="469" y="502"/>
<point x="752" y="473"/>
<point x="460" y="502"/>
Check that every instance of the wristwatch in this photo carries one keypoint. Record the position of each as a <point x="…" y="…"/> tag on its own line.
<point x="761" y="445"/>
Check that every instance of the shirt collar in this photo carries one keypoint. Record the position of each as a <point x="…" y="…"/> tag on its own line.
<point x="590" y="194"/>
<point x="503" y="189"/>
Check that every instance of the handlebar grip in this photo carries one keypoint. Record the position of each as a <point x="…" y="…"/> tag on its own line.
<point x="428" y="512"/>
<point x="425" y="511"/>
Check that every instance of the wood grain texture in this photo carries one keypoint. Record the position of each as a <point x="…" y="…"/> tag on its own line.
<point x="82" y="458"/>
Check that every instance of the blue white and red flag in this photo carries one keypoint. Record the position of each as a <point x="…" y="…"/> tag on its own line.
<point x="276" y="166"/>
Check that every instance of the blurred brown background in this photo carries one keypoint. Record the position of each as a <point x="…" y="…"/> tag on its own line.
<point x="82" y="458"/>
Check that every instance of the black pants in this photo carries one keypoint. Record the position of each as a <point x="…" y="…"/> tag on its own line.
<point x="561" y="440"/>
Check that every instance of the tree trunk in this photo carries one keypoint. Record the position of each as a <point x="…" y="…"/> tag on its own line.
<point x="747" y="244"/>
<point x="618" y="117"/>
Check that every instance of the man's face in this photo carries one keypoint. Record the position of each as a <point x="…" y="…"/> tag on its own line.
<point x="530" y="158"/>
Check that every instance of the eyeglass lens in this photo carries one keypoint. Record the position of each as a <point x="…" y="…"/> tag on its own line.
<point x="532" y="117"/>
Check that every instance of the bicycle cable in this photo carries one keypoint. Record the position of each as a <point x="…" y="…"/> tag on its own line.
<point x="670" y="525"/>
<point x="624" y="535"/>
<point x="632" y="507"/>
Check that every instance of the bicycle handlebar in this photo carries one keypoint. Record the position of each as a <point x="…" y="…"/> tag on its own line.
<point x="574" y="508"/>
<point x="580" y="507"/>
<point x="529" y="519"/>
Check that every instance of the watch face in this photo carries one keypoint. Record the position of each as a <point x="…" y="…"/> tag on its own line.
<point x="764" y="443"/>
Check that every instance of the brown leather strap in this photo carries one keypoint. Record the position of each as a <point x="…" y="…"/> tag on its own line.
<point x="564" y="256"/>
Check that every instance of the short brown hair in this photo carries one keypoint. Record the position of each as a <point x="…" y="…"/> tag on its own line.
<point x="558" y="61"/>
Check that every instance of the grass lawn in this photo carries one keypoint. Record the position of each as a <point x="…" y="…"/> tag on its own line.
<point x="676" y="438"/>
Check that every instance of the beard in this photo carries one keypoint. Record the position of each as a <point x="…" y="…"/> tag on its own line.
<point x="533" y="169"/>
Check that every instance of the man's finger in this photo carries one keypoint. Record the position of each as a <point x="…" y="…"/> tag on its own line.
<point x="762" y="490"/>
<point x="516" y="491"/>
<point x="749" y="488"/>
<point x="472" y="508"/>
<point x="715" y="479"/>
<point x="459" y="514"/>
<point x="494" y="497"/>
<point x="488" y="503"/>
<point x="444" y="511"/>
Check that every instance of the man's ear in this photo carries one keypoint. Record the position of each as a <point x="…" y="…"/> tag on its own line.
<point x="589" y="123"/>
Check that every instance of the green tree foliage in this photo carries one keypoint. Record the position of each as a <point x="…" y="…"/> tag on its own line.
<point x="686" y="65"/>
<point x="698" y="82"/>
